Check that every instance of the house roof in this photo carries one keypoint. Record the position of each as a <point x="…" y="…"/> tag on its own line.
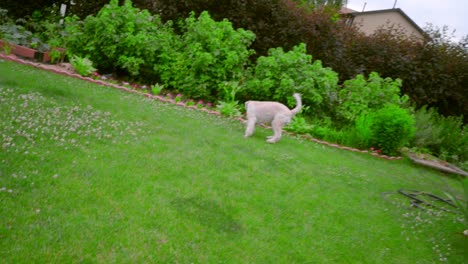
<point x="345" y="10"/>
<point x="350" y="12"/>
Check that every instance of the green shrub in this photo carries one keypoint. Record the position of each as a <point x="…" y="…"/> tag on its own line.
<point x="392" y="127"/>
<point x="280" y="74"/>
<point x="454" y="145"/>
<point x="444" y="137"/>
<point x="387" y="129"/>
<point x="210" y="54"/>
<point x="360" y="96"/>
<point x="428" y="133"/>
<point x="120" y="39"/>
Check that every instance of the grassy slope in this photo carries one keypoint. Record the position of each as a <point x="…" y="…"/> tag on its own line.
<point x="179" y="185"/>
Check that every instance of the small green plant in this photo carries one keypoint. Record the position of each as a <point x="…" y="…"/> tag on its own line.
<point x="7" y="49"/>
<point x="83" y="66"/>
<point x="157" y="88"/>
<point x="299" y="125"/>
<point x="56" y="55"/>
<point x="178" y="98"/>
<point x="200" y="104"/>
<point x="190" y="103"/>
<point x="229" y="107"/>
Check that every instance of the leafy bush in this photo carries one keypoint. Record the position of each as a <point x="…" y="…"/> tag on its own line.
<point x="444" y="137"/>
<point x="359" y="96"/>
<point x="281" y="74"/>
<point x="120" y="38"/>
<point x="428" y="131"/>
<point x="210" y="54"/>
<point x="392" y="127"/>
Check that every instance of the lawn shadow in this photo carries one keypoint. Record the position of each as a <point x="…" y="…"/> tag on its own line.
<point x="208" y="213"/>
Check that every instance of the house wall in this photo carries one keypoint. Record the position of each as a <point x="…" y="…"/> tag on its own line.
<point x="369" y="23"/>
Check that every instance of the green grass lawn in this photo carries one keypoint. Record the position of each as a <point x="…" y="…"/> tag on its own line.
<point x="95" y="175"/>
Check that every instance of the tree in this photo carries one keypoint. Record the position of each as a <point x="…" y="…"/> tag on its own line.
<point x="20" y="9"/>
<point x="336" y="4"/>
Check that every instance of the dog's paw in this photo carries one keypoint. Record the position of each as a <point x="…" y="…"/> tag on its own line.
<point x="272" y="140"/>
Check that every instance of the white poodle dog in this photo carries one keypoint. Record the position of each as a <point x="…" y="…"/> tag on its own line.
<point x="274" y="113"/>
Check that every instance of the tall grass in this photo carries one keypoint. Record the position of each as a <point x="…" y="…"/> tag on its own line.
<point x="91" y="174"/>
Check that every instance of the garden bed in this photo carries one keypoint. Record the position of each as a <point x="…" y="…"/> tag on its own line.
<point x="29" y="53"/>
<point x="66" y="69"/>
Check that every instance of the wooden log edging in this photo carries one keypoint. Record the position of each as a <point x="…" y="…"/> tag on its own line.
<point x="172" y="101"/>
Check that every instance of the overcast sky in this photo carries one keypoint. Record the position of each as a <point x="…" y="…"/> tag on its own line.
<point x="453" y="13"/>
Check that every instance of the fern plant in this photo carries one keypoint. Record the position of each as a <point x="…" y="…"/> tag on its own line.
<point x="83" y="66"/>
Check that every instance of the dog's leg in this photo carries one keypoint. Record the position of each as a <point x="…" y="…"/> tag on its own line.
<point x="277" y="126"/>
<point x="250" y="126"/>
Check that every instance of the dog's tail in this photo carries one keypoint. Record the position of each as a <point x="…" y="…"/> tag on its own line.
<point x="298" y="107"/>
